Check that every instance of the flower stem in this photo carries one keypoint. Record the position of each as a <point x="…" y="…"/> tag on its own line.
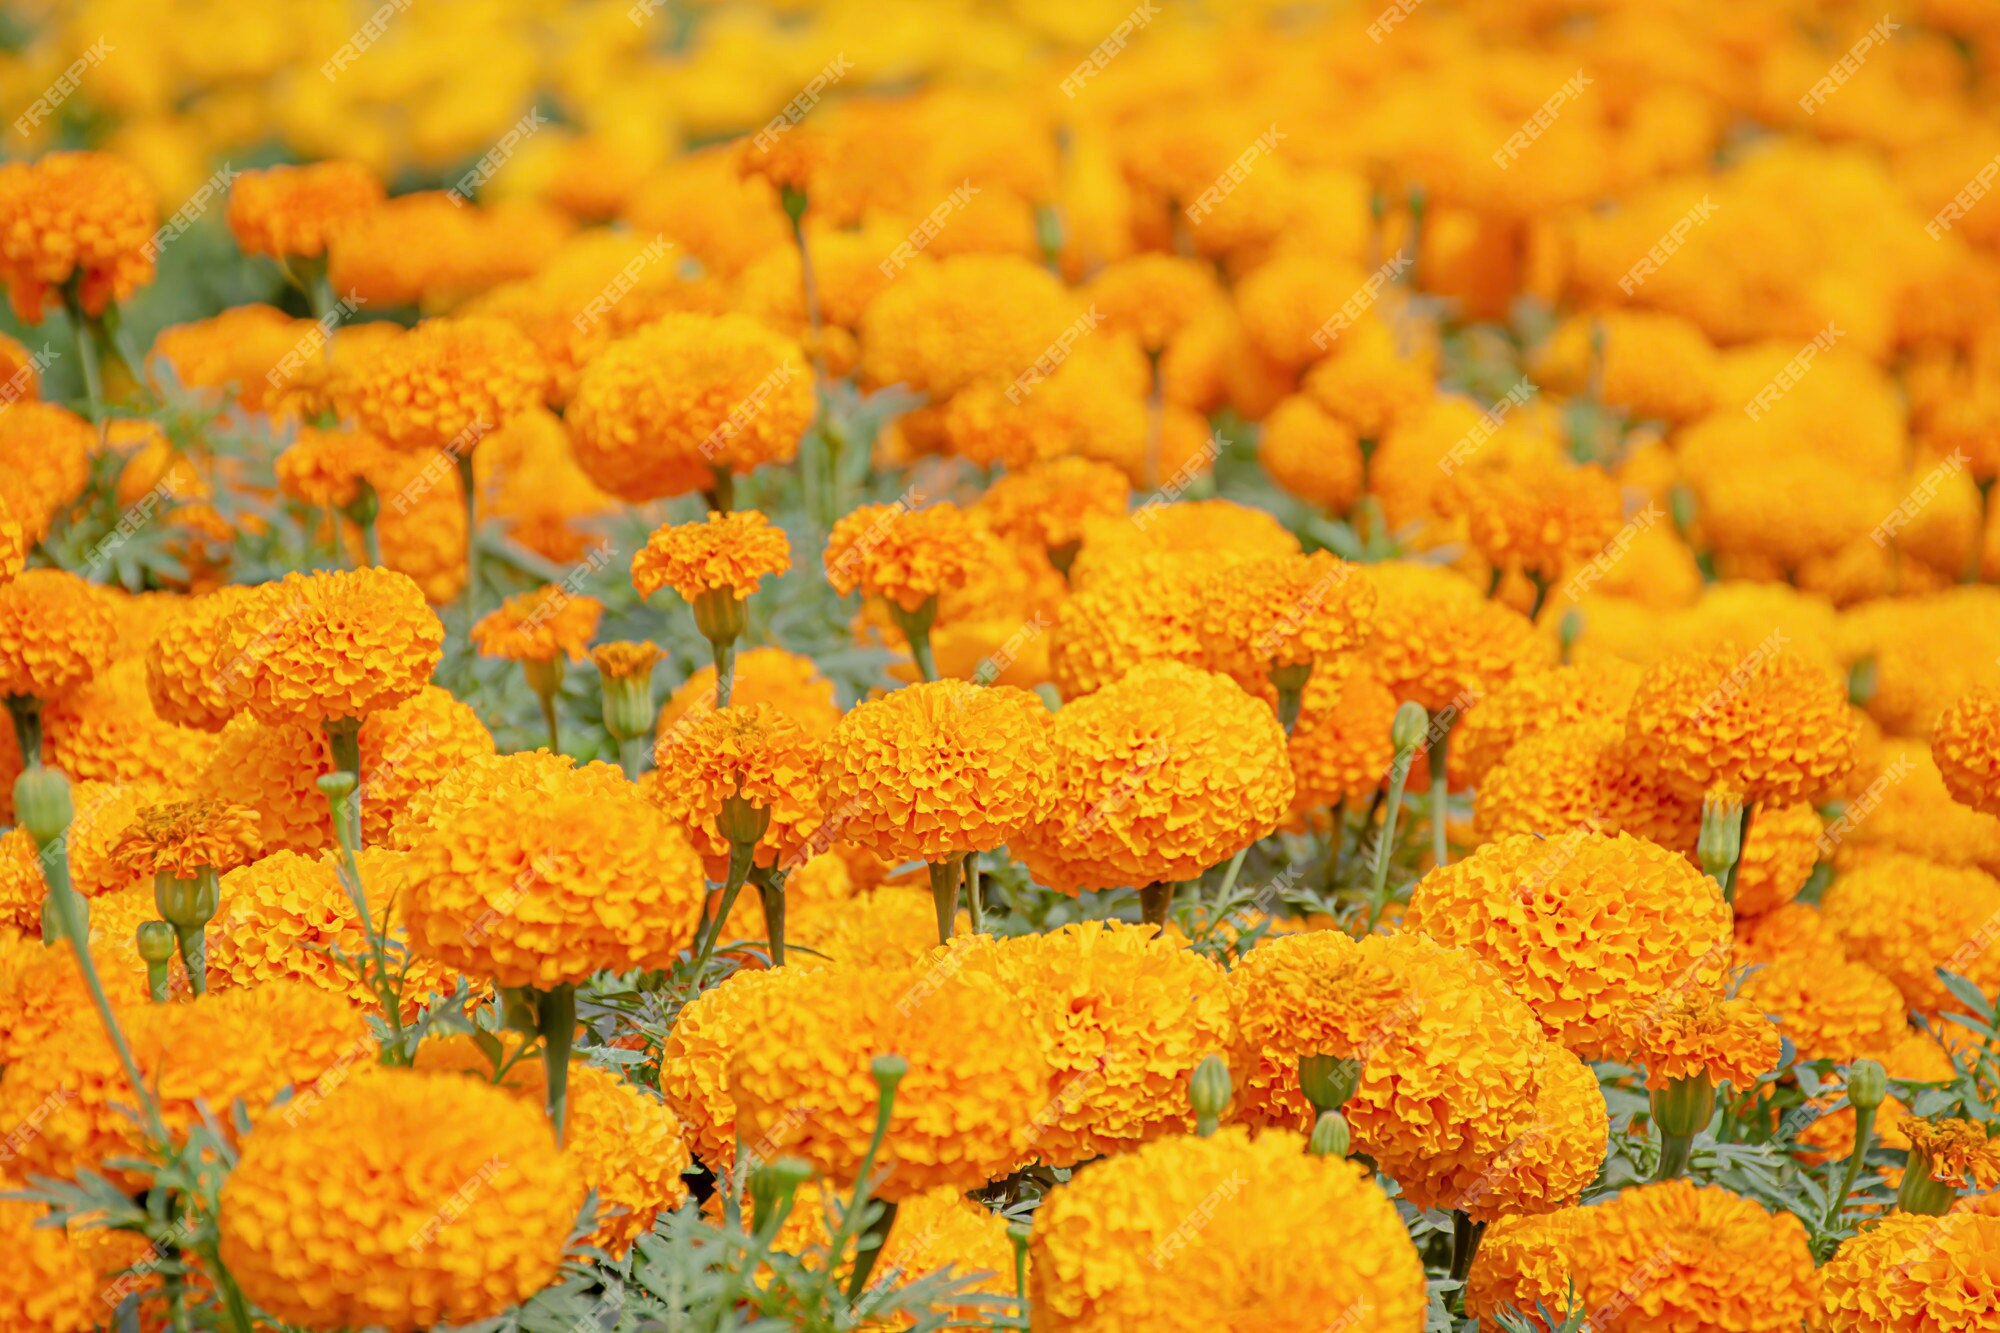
<point x="1399" y="774"/>
<point x="740" y="856"/>
<point x="771" y="890"/>
<point x="725" y="672"/>
<point x="557" y="1021"/>
<point x="1675" y="1152"/>
<point x="471" y="489"/>
<point x="26" y="711"/>
<point x="973" y="904"/>
<point x="946" y="876"/>
<point x="1465" y="1237"/>
<point x="1440" y="794"/>
<point x="1864" y="1134"/>
<point x="632" y="757"/>
<point x="1155" y="902"/>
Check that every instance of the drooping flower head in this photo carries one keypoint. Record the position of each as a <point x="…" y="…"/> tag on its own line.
<point x="903" y="555"/>
<point x="732" y="552"/>
<point x="287" y="211"/>
<point x="83" y="217"/>
<point x="750" y="754"/>
<point x="330" y="645"/>
<point x="539" y="626"/>
<point x="445" y="386"/>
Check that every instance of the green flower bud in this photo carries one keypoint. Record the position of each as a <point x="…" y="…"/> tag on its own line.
<point x="41" y="804"/>
<point x="888" y="1071"/>
<point x="720" y="615"/>
<point x="189" y="904"/>
<point x="1328" y="1081"/>
<point x="1330" y="1136"/>
<point x="1406" y="733"/>
<point x="1721" y="840"/>
<point x="1684" y="1106"/>
<point x="1867" y="1084"/>
<point x="1209" y="1091"/>
<point x="156" y="942"/>
<point x="337" y="786"/>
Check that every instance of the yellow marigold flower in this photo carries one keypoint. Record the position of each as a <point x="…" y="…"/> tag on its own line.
<point x="1539" y="520"/>
<point x="1215" y="531"/>
<point x="108" y="731"/>
<point x="1524" y="1262"/>
<point x="940" y="327"/>
<point x="82" y="217"/>
<point x="1340" y="746"/>
<point x="1907" y="917"/>
<point x="1104" y="1243"/>
<point x="905" y="556"/>
<point x="1530" y="704"/>
<point x="330" y="646"/>
<point x="934" y="770"/>
<point x="533" y="889"/>
<point x="1312" y="454"/>
<point x="405" y="750"/>
<point x="1093" y="405"/>
<point x="1283" y="611"/>
<point x="539" y="626"/>
<point x="694" y="1063"/>
<point x="1156" y="778"/>
<point x="51" y="1286"/>
<point x="1438" y="642"/>
<point x="626" y="660"/>
<point x="472" y="779"/>
<point x="45" y="451"/>
<point x="1153" y="297"/>
<point x="1794" y="928"/>
<point x="326" y="469"/>
<point x="1695" y="1034"/>
<point x="446" y="385"/>
<point x="1124" y="1017"/>
<point x="189" y="667"/>
<point x="1372" y="381"/>
<point x="661" y="412"/>
<point x="787" y="681"/>
<point x="971" y="1053"/>
<point x="1966" y="747"/>
<point x="246" y="1046"/>
<point x="1654" y="365"/>
<point x="1046" y="505"/>
<point x="411" y="1166"/>
<point x="1581" y="775"/>
<point x="752" y="753"/>
<point x="732" y="552"/>
<point x="1583" y="927"/>
<point x="184" y="837"/>
<point x="1145" y="611"/>
<point x="1832" y="1008"/>
<point x="1909" y="1273"/>
<point x="1926" y="652"/>
<point x="1778" y="857"/>
<point x="888" y="926"/>
<point x="621" y="1139"/>
<point x="1898" y="802"/>
<point x="42" y="990"/>
<point x="287" y="211"/>
<point x="1756" y="723"/>
<point x="56" y="632"/>
<point x="430" y="249"/>
<point x="1957" y="1152"/>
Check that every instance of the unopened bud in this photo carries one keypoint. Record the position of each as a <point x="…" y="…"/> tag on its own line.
<point x="1867" y="1084"/>
<point x="41" y="804"/>
<point x="1209" y="1090"/>
<point x="1328" y="1081"/>
<point x="1330" y="1137"/>
<point x="156" y="942"/>
<point x="1406" y="733"/>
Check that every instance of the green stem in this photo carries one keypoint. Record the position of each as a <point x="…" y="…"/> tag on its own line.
<point x="1229" y="876"/>
<point x="548" y="699"/>
<point x="725" y="672"/>
<point x="878" y="1227"/>
<point x="946" y="876"/>
<point x="720" y="495"/>
<point x="916" y="627"/>
<point x="632" y="757"/>
<point x="1864" y="1134"/>
<point x="1742" y="846"/>
<point x="1676" y="1150"/>
<point x="87" y="356"/>
<point x="471" y="489"/>
<point x="1440" y="796"/>
<point x="868" y="1247"/>
<point x="741" y="854"/>
<point x="557" y="1021"/>
<point x="73" y="917"/>
<point x="1156" y="901"/>
<point x="26" y="711"/>
<point x="1465" y="1237"/>
<point x="771" y="890"/>
<point x="1976" y="564"/>
<point x="343" y="743"/>
<point x="192" y="942"/>
<point x="1399" y="774"/>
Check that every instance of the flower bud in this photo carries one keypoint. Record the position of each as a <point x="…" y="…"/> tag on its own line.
<point x="720" y="616"/>
<point x="41" y="804"/>
<point x="1721" y="839"/>
<point x="1867" y="1084"/>
<point x="337" y="786"/>
<point x="888" y="1071"/>
<point x="1209" y="1091"/>
<point x="188" y="904"/>
<point x="626" y="671"/>
<point x="1683" y="1107"/>
<point x="1328" y="1081"/>
<point x="1406" y="733"/>
<point x="156" y="942"/>
<point x="1330" y="1137"/>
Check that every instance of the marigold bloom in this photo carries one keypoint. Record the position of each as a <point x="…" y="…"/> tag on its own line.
<point x="1757" y="724"/>
<point x="326" y="469"/>
<point x="1157" y="778"/>
<point x="286" y="211"/>
<point x="56" y="632"/>
<point x="1966" y="746"/>
<point x="189" y="666"/>
<point x="1524" y="1262"/>
<point x="1581" y="775"/>
<point x="1909" y="1273"/>
<point x="478" y="778"/>
<point x="45" y="453"/>
<point x="102" y="811"/>
<point x="889" y="926"/>
<point x="543" y="890"/>
<point x="1539" y="520"/>
<point x="659" y="413"/>
<point x="83" y="217"/>
<point x="1153" y="297"/>
<point x="1832" y="1008"/>
<point x="1216" y="531"/>
<point x="1530" y="704"/>
<point x="1907" y="917"/>
<point x="1102" y="1243"/>
<point x="1124" y="1017"/>
<point x="1144" y="612"/>
<point x="445" y="386"/>
<point x="1047" y="505"/>
<point x="1313" y="454"/>
<point x="694" y="1063"/>
<point x="1439" y="643"/>
<point x="1957" y="1152"/>
<point x="42" y="990"/>
<point x="1778" y="857"/>
<point x="1283" y="611"/>
<point x="397" y="1155"/>
<point x="934" y="770"/>
<point x="752" y="753"/>
<point x="787" y="681"/>
<point x="51" y="1286"/>
<point x="184" y="837"/>
<point x="905" y="556"/>
<point x="940" y="327"/>
<point x="1898" y="802"/>
<point x="330" y="646"/>
<point x="1583" y="927"/>
<point x="1340" y="746"/>
<point x="539" y="626"/>
<point x="971" y="1054"/>
<point x="108" y="731"/>
<point x="1696" y="1034"/>
<point x="732" y="552"/>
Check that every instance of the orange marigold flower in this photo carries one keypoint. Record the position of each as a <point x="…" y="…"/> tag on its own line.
<point x="1909" y="1273"/>
<point x="473" y="779"/>
<point x="1585" y="927"/>
<point x="751" y="753"/>
<point x="1524" y="1263"/>
<point x="56" y="632"/>
<point x="108" y="731"/>
<point x="1538" y="519"/>
<point x="1313" y="454"/>
<point x="1761" y="724"/>
<point x="1907" y="917"/>
<point x="1955" y="1152"/>
<point x="189" y="666"/>
<point x="661" y="412"/>
<point x="1696" y="1034"/>
<point x="182" y="838"/>
<point x="13" y="542"/>
<point x="943" y="326"/>
<point x="1581" y="775"/>
<point x="83" y="217"/>
<point x="326" y="469"/>
<point x="42" y="990"/>
<point x="1100" y="1242"/>
<point x="933" y="770"/>
<point x="397" y="1153"/>
<point x="1283" y="611"/>
<point x="787" y="681"/>
<point x="328" y="646"/>
<point x="539" y="626"/>
<point x="694" y="1063"/>
<point x="1439" y="643"/>
<point x="45" y="453"/>
<point x="728" y="552"/>
<point x="1216" y="531"/>
<point x="626" y="660"/>
<point x="1156" y="778"/>
<point x="905" y="556"/>
<point x="51" y="1285"/>
<point x="1778" y="857"/>
<point x="972" y="1054"/>
<point x="285" y="211"/>
<point x="1144" y="612"/>
<point x="1340" y="745"/>
<point x="101" y="812"/>
<point x="1966" y="746"/>
<point x="1530" y="704"/>
<point x="889" y="926"/>
<point x="534" y="889"/>
<point x="1047" y="505"/>
<point x="1153" y="297"/>
<point x="444" y="386"/>
<point x="1832" y="1008"/>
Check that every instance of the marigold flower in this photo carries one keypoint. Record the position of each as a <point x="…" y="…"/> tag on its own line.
<point x="1047" y="505"/>
<point x="82" y="217"/>
<point x="1524" y="1263"/>
<point x="331" y="646"/>
<point x="1340" y="746"/>
<point x="752" y="753"/>
<point x="286" y="211"/>
<point x="1103" y="1242"/>
<point x="56" y="632"/>
<point x="661" y="412"/>
<point x="934" y="770"/>
<point x="1124" y="1017"/>
<point x="971" y="1055"/>
<point x="732" y="552"/>
<point x="1145" y="612"/>
<point x="1907" y="917"/>
<point x="1583" y="928"/>
<point x="787" y="681"/>
<point x="102" y="811"/>
<point x="534" y="889"/>
<point x="184" y="837"/>
<point x="1261" y="615"/>
<point x="108" y="731"/>
<point x="1898" y="802"/>
<point x="1831" y="1008"/>
<point x="1153" y="297"/>
<point x="1696" y="1034"/>
<point x="42" y="990"/>
<point x="326" y="469"/>
<point x="1539" y="520"/>
<point x="889" y="926"/>
<point x="539" y="626"/>
<point x="905" y="556"/>
<point x="1778" y="857"/>
<point x="1313" y="454"/>
<point x="45" y="451"/>
<point x="51" y="1285"/>
<point x="189" y="667"/>
<point x="444" y="386"/>
<point x="1581" y="775"/>
<point x="1156" y="778"/>
<point x="396" y="1153"/>
<point x="1761" y="724"/>
<point x="943" y="326"/>
<point x="1955" y="1152"/>
<point x="1909" y="1273"/>
<point x="478" y="778"/>
<point x="1437" y="642"/>
<point x="1599" y="690"/>
<point x="694" y="1062"/>
<point x="1215" y="531"/>
<point x="1966" y="746"/>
